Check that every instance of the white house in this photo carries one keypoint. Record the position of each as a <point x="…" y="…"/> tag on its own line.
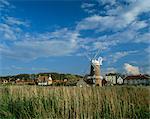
<point x="113" y="79"/>
<point x="120" y="80"/>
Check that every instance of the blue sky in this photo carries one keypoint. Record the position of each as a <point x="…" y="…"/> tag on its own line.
<point x="54" y="36"/>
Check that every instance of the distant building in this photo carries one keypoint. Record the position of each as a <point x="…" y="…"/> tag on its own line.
<point x="3" y="80"/>
<point x="11" y="81"/>
<point x="24" y="82"/>
<point x="82" y="83"/>
<point x="137" y="80"/>
<point x="113" y="79"/>
<point x="87" y="81"/>
<point x="44" y="80"/>
<point x="104" y="82"/>
<point x="65" y="80"/>
<point x="120" y="80"/>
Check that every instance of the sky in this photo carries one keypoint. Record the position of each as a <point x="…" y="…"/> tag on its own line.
<point x="58" y="35"/>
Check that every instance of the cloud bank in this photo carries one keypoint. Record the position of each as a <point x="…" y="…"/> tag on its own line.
<point x="130" y="69"/>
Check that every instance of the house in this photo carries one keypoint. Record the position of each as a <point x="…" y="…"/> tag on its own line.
<point x="60" y="82"/>
<point x="113" y="79"/>
<point x="104" y="82"/>
<point x="137" y="80"/>
<point x="19" y="82"/>
<point x="65" y="79"/>
<point x="89" y="82"/>
<point x="82" y="83"/>
<point x="44" y="80"/>
<point x="11" y="80"/>
<point x="1" y="81"/>
<point x="120" y="80"/>
<point x="24" y="82"/>
<point x="4" y="81"/>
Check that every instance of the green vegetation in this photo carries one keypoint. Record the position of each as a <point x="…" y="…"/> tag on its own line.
<point x="71" y="78"/>
<point x="24" y="102"/>
<point x="55" y="76"/>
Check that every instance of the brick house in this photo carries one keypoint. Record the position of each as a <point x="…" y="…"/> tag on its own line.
<point x="137" y="80"/>
<point x="44" y="80"/>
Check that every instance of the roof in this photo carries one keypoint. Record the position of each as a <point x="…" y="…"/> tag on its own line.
<point x="136" y="77"/>
<point x="89" y="81"/>
<point x="43" y="78"/>
<point x="111" y="74"/>
<point x="58" y="81"/>
<point x="81" y="82"/>
<point x="24" y="81"/>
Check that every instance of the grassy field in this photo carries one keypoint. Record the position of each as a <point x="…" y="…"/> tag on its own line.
<point x="25" y="102"/>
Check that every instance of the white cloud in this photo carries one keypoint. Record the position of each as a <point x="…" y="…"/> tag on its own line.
<point x="121" y="20"/>
<point x="15" y="21"/>
<point x="119" y="55"/>
<point x="136" y="9"/>
<point x="89" y="23"/>
<point x="118" y="17"/>
<point x="111" y="70"/>
<point x="3" y="3"/>
<point x="7" y="32"/>
<point x="34" y="47"/>
<point x="107" y="23"/>
<point x="148" y="50"/>
<point x="130" y="69"/>
<point x="145" y="37"/>
<point x="28" y="45"/>
<point x="10" y="28"/>
<point x="87" y="5"/>
<point x="103" y="2"/>
<point x="101" y="23"/>
<point x="136" y="25"/>
<point x="131" y="35"/>
<point x="90" y="11"/>
<point x="105" y="44"/>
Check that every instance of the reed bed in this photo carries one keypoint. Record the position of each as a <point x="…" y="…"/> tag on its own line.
<point x="27" y="102"/>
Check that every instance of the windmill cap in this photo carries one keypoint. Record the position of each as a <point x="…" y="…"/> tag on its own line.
<point x="95" y="62"/>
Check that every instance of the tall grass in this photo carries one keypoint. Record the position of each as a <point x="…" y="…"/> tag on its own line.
<point x="25" y="102"/>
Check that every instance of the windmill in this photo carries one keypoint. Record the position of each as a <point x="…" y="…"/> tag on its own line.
<point x="95" y="64"/>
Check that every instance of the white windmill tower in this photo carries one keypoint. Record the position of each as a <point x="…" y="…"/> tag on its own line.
<point x="95" y="69"/>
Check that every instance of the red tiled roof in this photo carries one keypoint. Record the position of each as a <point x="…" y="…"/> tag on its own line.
<point x="136" y="77"/>
<point x="59" y="81"/>
<point x="24" y="81"/>
<point x="43" y="78"/>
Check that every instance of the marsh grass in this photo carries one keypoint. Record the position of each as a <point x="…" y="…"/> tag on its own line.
<point x="25" y="102"/>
